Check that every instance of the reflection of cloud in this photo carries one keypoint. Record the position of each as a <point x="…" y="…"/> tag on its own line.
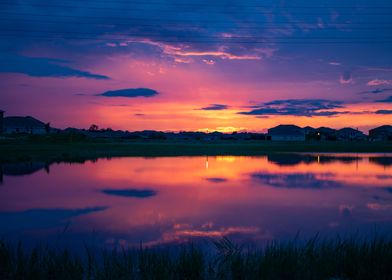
<point x="130" y="193"/>
<point x="346" y="78"/>
<point x="130" y="92"/>
<point x="216" y="180"/>
<point x="386" y="100"/>
<point x="217" y="233"/>
<point x="377" y="82"/>
<point x="377" y="90"/>
<point x="183" y="232"/>
<point x="40" y="218"/>
<point x="378" y="206"/>
<point x="296" y="180"/>
<point x="383" y="112"/>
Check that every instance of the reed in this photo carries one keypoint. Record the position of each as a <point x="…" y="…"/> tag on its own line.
<point x="334" y="258"/>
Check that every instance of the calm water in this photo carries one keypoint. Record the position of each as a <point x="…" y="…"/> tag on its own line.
<point x="125" y="201"/>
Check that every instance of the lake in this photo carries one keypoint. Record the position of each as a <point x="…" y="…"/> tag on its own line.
<point x="169" y="200"/>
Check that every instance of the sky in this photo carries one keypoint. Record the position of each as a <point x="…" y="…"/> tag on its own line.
<point x="202" y="65"/>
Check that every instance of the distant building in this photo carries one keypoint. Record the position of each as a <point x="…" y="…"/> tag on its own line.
<point x="1" y="121"/>
<point x="286" y="133"/>
<point x="351" y="134"/>
<point x="381" y="133"/>
<point x="326" y="133"/>
<point x="27" y="125"/>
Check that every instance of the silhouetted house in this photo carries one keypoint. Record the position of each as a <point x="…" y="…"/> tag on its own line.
<point x="286" y="133"/>
<point x="351" y="134"/>
<point x="326" y="133"/>
<point x="1" y="121"/>
<point x="381" y="133"/>
<point x="28" y="125"/>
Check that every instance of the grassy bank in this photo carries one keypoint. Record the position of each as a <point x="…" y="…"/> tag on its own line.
<point x="329" y="259"/>
<point x="51" y="151"/>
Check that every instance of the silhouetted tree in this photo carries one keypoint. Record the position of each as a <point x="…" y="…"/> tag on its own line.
<point x="93" y="127"/>
<point x="47" y="127"/>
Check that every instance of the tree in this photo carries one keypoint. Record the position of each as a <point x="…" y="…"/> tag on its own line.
<point x="93" y="128"/>
<point x="47" y="127"/>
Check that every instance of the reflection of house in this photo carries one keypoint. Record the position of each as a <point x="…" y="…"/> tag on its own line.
<point x="349" y="133"/>
<point x="22" y="168"/>
<point x="23" y="125"/>
<point x="381" y="133"/>
<point x="286" y="133"/>
<point x="382" y="161"/>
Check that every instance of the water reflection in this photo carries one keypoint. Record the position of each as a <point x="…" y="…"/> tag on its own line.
<point x="297" y="180"/>
<point x="295" y="159"/>
<point x="130" y="193"/>
<point x="165" y="200"/>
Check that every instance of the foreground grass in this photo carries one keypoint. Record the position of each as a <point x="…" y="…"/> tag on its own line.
<point x="59" y="151"/>
<point x="328" y="259"/>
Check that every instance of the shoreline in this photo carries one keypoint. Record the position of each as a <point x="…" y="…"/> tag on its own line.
<point x="13" y="151"/>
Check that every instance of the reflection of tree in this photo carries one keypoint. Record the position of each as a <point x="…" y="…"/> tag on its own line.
<point x="383" y="161"/>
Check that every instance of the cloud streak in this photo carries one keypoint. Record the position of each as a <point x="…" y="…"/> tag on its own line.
<point x="43" y="67"/>
<point x="130" y="93"/>
<point x="297" y="107"/>
<point x="215" y="107"/>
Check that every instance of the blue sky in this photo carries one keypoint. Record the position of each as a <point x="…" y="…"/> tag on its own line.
<point x="238" y="60"/>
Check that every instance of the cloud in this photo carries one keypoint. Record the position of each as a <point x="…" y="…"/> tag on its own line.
<point x="346" y="78"/>
<point x="377" y="82"/>
<point x="130" y="93"/>
<point x="220" y="54"/>
<point x="297" y="107"/>
<point x="384" y="112"/>
<point x="43" y="67"/>
<point x="215" y="107"/>
<point x="130" y="193"/>
<point x="386" y="100"/>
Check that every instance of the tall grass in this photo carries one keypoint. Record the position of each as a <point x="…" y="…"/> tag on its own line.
<point x="336" y="258"/>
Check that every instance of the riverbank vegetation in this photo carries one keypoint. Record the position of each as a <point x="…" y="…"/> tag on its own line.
<point x="336" y="258"/>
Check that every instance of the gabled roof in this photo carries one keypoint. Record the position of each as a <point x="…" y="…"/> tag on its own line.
<point x="286" y="129"/>
<point x="23" y="122"/>
<point x="349" y="130"/>
<point x="383" y="127"/>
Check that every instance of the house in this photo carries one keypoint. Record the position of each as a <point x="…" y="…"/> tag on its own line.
<point x="286" y="133"/>
<point x="326" y="133"/>
<point x="28" y="125"/>
<point x="351" y="134"/>
<point x="381" y="133"/>
<point x="1" y="121"/>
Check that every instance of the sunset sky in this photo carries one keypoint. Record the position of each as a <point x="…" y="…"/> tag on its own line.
<point x="196" y="65"/>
